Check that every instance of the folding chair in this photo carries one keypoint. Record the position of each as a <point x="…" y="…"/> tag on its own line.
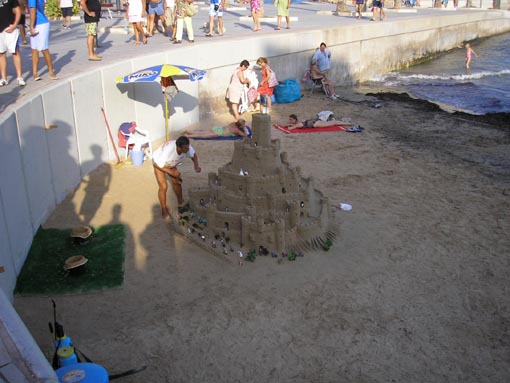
<point x="317" y="82"/>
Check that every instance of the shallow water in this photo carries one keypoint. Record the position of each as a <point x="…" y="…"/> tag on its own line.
<point x="485" y="88"/>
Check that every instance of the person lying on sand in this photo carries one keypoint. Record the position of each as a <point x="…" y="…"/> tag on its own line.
<point x="233" y="129"/>
<point x="294" y="123"/>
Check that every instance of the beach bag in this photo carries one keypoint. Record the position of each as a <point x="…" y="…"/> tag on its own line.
<point x="272" y="82"/>
<point x="326" y="115"/>
<point x="288" y="91"/>
<point x="190" y="9"/>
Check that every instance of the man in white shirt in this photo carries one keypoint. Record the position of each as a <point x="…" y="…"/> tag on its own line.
<point x="165" y="161"/>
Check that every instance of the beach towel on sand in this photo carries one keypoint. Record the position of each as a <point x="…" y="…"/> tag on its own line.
<point x="336" y="128"/>
<point x="225" y="138"/>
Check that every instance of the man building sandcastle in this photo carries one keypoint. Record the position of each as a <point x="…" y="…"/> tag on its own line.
<point x="165" y="160"/>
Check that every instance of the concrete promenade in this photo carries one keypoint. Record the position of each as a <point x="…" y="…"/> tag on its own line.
<point x="69" y="53"/>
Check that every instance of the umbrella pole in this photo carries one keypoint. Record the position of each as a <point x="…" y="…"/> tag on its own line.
<point x="167" y="128"/>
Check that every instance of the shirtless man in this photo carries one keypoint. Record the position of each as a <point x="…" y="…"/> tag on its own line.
<point x="294" y="123"/>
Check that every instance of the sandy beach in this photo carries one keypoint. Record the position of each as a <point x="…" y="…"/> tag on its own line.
<point x="414" y="289"/>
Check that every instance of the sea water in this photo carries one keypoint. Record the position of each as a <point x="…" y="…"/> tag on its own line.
<point x="484" y="88"/>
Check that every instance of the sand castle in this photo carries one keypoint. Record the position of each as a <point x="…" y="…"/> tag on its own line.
<point x="258" y="202"/>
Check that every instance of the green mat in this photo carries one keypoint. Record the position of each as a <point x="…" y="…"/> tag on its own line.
<point x="43" y="272"/>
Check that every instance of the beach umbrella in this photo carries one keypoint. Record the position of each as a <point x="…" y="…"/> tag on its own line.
<point x="154" y="73"/>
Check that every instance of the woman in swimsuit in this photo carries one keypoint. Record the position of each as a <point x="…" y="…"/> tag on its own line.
<point x="233" y="129"/>
<point x="469" y="53"/>
<point x="294" y="123"/>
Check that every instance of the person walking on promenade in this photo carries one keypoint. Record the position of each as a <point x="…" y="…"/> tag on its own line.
<point x="92" y="13"/>
<point x="378" y="8"/>
<point x="169" y="18"/>
<point x="136" y="14"/>
<point x="236" y="87"/>
<point x="256" y="10"/>
<point x="165" y="161"/>
<point x="10" y="14"/>
<point x="182" y="19"/>
<point x="156" y="12"/>
<point x="469" y="53"/>
<point x="39" y="38"/>
<point x="22" y="22"/>
<point x="282" y="10"/>
<point x="216" y="8"/>
<point x="66" y="6"/>
<point x="359" y="7"/>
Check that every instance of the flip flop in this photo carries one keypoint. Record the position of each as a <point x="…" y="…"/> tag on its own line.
<point x="277" y="29"/>
<point x="37" y="78"/>
<point x="53" y="77"/>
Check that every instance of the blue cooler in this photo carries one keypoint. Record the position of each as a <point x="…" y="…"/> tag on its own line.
<point x="82" y="373"/>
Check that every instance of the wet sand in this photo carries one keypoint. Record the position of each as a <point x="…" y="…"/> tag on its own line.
<point x="415" y="288"/>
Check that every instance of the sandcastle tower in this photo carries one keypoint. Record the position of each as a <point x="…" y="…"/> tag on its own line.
<point x="258" y="200"/>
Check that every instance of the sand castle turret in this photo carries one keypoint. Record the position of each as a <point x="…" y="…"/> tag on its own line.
<point x="259" y="200"/>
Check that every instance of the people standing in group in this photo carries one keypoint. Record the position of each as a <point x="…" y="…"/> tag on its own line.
<point x="216" y="8"/>
<point x="136" y="14"/>
<point x="91" y="15"/>
<point x="156" y="12"/>
<point x="170" y="19"/>
<point x="10" y="14"/>
<point x="236" y="87"/>
<point x="165" y="161"/>
<point x="264" y="87"/>
<point x="469" y="53"/>
<point x="378" y="9"/>
<point x="39" y="38"/>
<point x="182" y="18"/>
<point x="256" y="11"/>
<point x="359" y="7"/>
<point x="282" y="10"/>
<point x="66" y="6"/>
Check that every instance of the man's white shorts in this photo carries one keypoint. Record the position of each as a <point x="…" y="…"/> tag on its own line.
<point x="40" y="41"/>
<point x="213" y="13"/>
<point x="9" y="41"/>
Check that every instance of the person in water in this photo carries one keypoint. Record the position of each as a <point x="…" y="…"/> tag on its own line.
<point x="469" y="53"/>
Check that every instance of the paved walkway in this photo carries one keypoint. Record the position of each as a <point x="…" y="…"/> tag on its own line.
<point x="69" y="51"/>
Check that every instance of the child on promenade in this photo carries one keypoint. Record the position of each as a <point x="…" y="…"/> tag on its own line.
<point x="469" y="53"/>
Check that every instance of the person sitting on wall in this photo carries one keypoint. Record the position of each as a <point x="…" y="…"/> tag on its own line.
<point x="294" y="123"/>
<point x="165" y="161"/>
<point x="233" y="129"/>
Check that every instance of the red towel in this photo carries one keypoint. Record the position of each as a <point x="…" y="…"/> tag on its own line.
<point x="336" y="128"/>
